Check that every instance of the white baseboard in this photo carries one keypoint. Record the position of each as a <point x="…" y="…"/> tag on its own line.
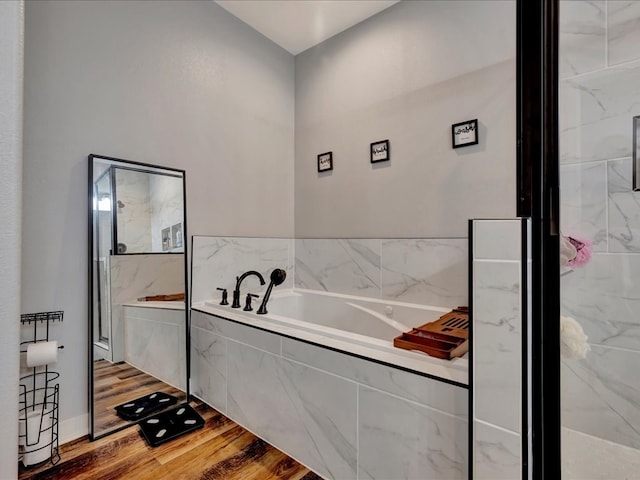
<point x="73" y="428"/>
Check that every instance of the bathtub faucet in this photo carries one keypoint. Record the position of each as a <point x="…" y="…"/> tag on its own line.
<point x="236" y="292"/>
<point x="277" y="277"/>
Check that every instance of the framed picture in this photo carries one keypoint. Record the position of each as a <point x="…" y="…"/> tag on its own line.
<point x="176" y="235"/>
<point x="380" y="151"/>
<point x="325" y="162"/>
<point x="166" y="239"/>
<point x="465" y="133"/>
<point x="636" y="153"/>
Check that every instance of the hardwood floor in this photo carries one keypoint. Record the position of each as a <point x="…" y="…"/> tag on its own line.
<point x="220" y="450"/>
<point x="117" y="383"/>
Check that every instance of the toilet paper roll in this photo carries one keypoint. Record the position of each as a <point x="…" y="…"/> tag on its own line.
<point x="39" y="436"/>
<point x="42" y="353"/>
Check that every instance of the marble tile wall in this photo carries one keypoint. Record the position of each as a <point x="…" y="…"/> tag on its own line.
<point x="135" y="276"/>
<point x="497" y="349"/>
<point x="134" y="216"/>
<point x="154" y="340"/>
<point x="166" y="197"/>
<point x="328" y="410"/>
<point x="344" y="417"/>
<point x="217" y="261"/>
<point x="423" y="271"/>
<point x="600" y="95"/>
<point x="343" y="266"/>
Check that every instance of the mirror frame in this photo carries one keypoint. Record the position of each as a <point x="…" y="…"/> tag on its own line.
<point x="139" y="166"/>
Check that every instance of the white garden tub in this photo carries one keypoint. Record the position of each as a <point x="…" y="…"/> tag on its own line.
<point x="358" y="326"/>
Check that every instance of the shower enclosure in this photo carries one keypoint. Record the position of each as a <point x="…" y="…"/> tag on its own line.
<point x="103" y="201"/>
<point x="599" y="102"/>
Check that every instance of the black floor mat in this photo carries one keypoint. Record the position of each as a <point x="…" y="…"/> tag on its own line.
<point x="170" y="424"/>
<point x="143" y="406"/>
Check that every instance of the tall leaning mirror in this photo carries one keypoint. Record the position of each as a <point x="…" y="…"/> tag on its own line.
<point x="137" y="309"/>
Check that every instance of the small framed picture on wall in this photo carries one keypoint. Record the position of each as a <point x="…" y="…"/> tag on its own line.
<point x="380" y="151"/>
<point x="325" y="162"/>
<point x="464" y="134"/>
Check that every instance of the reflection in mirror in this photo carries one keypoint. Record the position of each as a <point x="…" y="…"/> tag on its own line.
<point x="148" y="211"/>
<point x="138" y="324"/>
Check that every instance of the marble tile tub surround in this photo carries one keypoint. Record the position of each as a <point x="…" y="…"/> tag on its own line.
<point x="598" y="100"/>
<point x="217" y="261"/>
<point x="420" y="270"/>
<point x="344" y="417"/>
<point x="135" y="276"/>
<point x="154" y="341"/>
<point x="497" y="349"/>
<point x="371" y="349"/>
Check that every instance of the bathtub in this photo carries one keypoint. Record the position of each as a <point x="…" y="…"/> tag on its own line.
<point x="358" y="326"/>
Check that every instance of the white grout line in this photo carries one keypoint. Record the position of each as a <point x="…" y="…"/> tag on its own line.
<point x="497" y="427"/>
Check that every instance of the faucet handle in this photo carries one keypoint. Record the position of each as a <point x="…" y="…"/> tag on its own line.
<point x="224" y="300"/>
<point x="247" y="305"/>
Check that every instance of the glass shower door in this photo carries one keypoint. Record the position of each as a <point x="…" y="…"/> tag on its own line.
<point x="102" y="308"/>
<point x="600" y="222"/>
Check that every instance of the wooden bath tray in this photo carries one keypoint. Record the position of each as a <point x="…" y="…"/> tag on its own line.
<point x="173" y="297"/>
<point x="447" y="337"/>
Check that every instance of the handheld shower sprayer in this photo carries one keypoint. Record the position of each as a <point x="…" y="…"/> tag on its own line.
<point x="277" y="278"/>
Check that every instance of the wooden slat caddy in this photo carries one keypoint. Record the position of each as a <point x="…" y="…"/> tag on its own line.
<point x="447" y="337"/>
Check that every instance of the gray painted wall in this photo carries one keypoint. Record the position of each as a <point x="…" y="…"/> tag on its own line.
<point x="187" y="85"/>
<point x="179" y="84"/>
<point x="11" y="76"/>
<point x="407" y="74"/>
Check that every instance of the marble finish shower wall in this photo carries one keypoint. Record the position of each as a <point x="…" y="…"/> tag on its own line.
<point x="344" y="417"/>
<point x="134" y="216"/>
<point x="498" y="318"/>
<point x="423" y="271"/>
<point x="600" y="94"/>
<point x="166" y="195"/>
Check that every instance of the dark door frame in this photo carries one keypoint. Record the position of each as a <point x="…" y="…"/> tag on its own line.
<point x="538" y="198"/>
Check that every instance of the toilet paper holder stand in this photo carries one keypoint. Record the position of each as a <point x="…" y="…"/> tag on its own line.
<point x="39" y="397"/>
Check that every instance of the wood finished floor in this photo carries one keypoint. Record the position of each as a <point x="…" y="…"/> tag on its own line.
<point x="117" y="383"/>
<point x="220" y="450"/>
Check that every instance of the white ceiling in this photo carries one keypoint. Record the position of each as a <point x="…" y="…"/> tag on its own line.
<point x="297" y="25"/>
